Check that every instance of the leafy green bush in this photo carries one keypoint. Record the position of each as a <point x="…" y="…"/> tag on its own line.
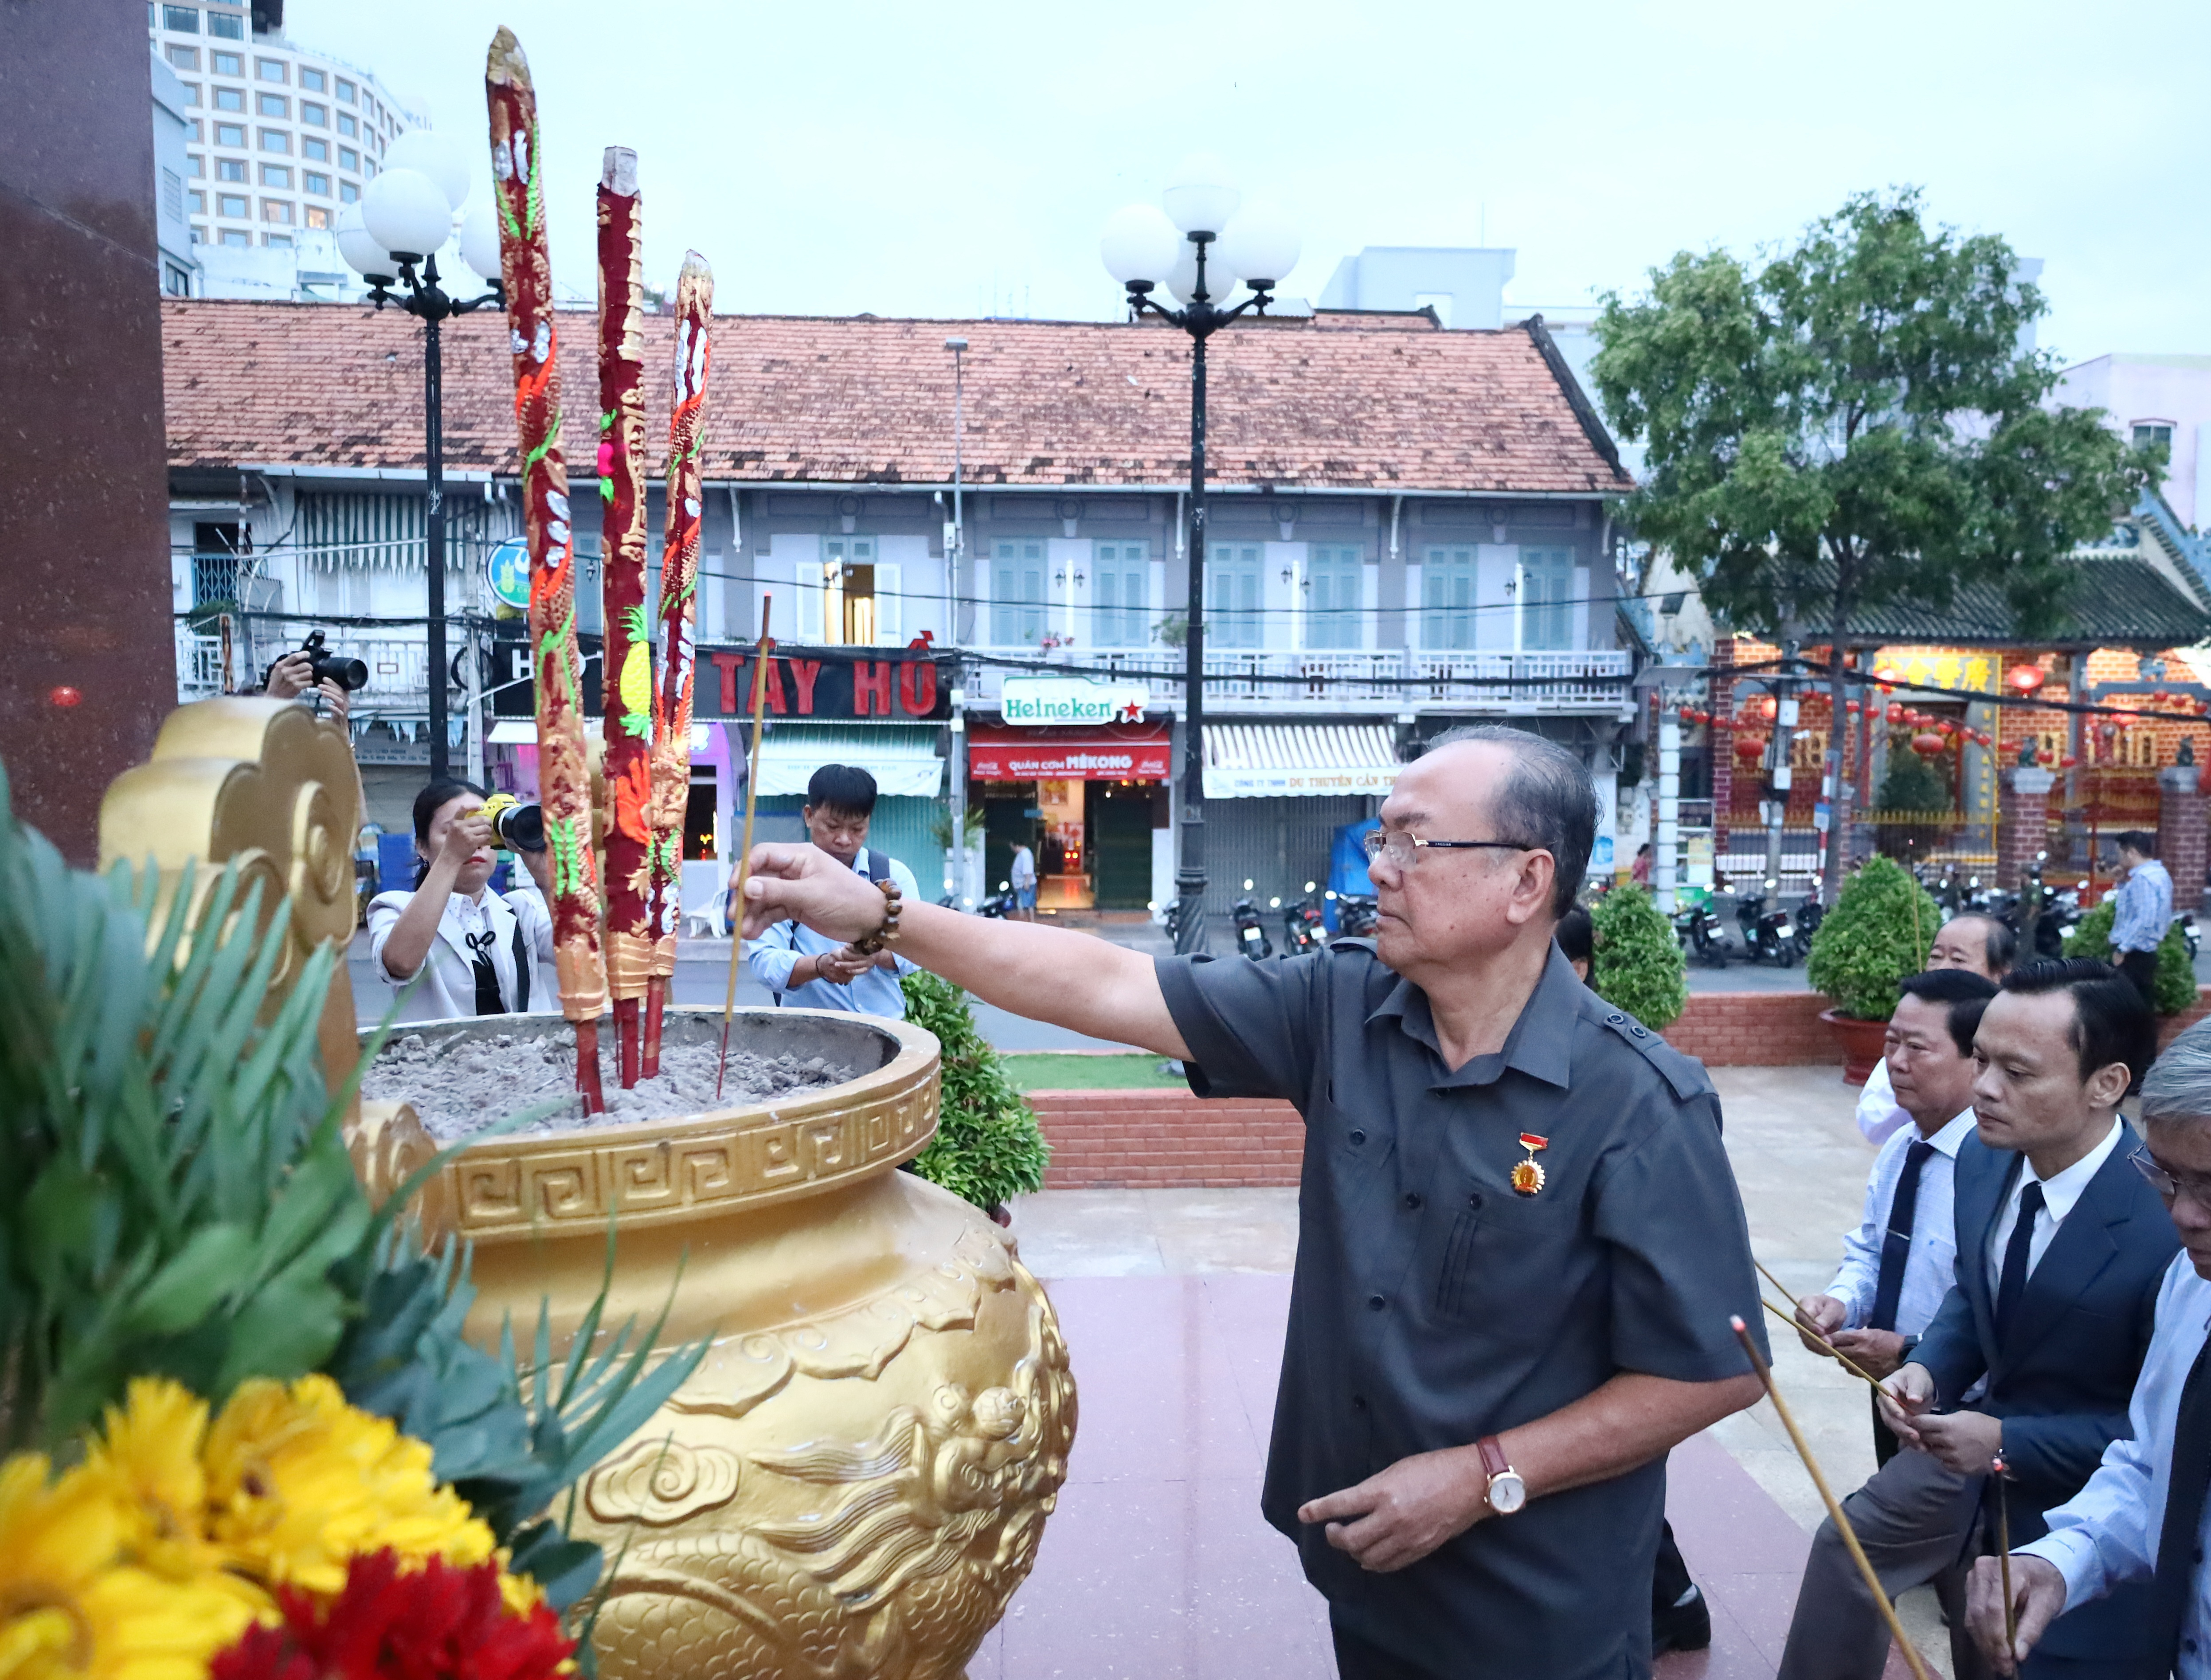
<point x="1637" y="962"/>
<point x="2174" y="984"/>
<point x="1872" y="938"/>
<point x="1911" y="784"/>
<point x="988" y="1147"/>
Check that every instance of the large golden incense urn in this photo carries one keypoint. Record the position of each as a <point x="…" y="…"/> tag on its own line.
<point x="854" y="1481"/>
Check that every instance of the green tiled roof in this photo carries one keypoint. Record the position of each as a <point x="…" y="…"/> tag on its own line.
<point x="2120" y="602"/>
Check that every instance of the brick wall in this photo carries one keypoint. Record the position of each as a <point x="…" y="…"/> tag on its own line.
<point x="1169" y="1139"/>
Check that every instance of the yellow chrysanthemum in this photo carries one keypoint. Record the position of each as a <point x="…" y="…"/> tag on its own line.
<point x="150" y="1448"/>
<point x="299" y="1482"/>
<point x="70" y="1611"/>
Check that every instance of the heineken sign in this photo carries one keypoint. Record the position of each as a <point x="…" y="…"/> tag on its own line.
<point x="1040" y="701"/>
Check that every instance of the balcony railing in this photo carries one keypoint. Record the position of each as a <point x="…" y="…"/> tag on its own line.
<point x="1247" y="681"/>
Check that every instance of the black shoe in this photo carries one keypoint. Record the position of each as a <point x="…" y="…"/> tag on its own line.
<point x="1686" y="1626"/>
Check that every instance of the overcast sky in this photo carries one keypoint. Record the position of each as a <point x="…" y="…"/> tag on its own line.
<point x="958" y="159"/>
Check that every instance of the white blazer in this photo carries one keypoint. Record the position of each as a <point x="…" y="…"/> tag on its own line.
<point x="520" y="924"/>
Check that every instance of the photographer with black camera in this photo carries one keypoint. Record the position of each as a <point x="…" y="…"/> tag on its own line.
<point x="313" y="668"/>
<point x="481" y="949"/>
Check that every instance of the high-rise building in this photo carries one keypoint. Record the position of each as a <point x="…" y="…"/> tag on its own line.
<point x="281" y="136"/>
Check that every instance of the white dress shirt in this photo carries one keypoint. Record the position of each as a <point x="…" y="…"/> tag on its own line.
<point x="1879" y="1118"/>
<point x="1931" y="1267"/>
<point x="782" y="947"/>
<point x="2106" y="1534"/>
<point x="449" y="989"/>
<point x="2059" y="1194"/>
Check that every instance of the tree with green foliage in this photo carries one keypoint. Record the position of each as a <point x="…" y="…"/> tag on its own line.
<point x="988" y="1148"/>
<point x="1855" y="424"/>
<point x="1635" y="960"/>
<point x="1879" y="930"/>
<point x="1910" y="784"/>
<point x="2174" y="984"/>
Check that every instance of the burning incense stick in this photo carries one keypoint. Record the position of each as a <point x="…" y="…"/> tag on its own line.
<point x="1827" y="1498"/>
<point x="626" y="673"/>
<point x="564" y="779"/>
<point x="678" y="605"/>
<point x="745" y="855"/>
<point x="1996" y="1468"/>
<point x="1833" y="1352"/>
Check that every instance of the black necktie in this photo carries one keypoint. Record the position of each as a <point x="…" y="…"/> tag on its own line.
<point x="489" y="1001"/>
<point x="2012" y="1282"/>
<point x="2178" y="1556"/>
<point x="1896" y="1246"/>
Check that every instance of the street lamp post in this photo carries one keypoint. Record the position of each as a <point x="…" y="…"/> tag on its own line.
<point x="954" y="552"/>
<point x="393" y="238"/>
<point x="1142" y="247"/>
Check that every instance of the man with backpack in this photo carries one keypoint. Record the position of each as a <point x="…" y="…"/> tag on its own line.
<point x="801" y="967"/>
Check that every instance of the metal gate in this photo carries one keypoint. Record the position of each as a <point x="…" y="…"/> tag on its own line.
<point x="1278" y="844"/>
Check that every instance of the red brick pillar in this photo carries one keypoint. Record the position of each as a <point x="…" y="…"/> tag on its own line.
<point x="2180" y="833"/>
<point x="2022" y="821"/>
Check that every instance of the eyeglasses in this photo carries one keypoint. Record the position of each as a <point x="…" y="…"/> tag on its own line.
<point x="2196" y="1186"/>
<point x="1404" y="848"/>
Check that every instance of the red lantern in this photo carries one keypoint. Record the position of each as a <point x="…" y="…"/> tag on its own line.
<point x="2161" y="697"/>
<point x="1688" y="716"/>
<point x="1927" y="743"/>
<point x="1769" y="708"/>
<point x="65" y="696"/>
<point x="1946" y="727"/>
<point x="2068" y="763"/>
<point x="1895" y="713"/>
<point x="1850" y="709"/>
<point x="2027" y="678"/>
<point x="1749" y="746"/>
<point x="1888" y="688"/>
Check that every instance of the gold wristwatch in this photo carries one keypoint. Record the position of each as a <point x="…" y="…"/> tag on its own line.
<point x="1507" y="1492"/>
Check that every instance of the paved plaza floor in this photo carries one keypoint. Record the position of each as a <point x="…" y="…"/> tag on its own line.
<point x="1158" y="1566"/>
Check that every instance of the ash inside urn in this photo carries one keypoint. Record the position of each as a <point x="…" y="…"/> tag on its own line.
<point x="461" y="1085"/>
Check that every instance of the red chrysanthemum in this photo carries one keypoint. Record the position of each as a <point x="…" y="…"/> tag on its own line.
<point x="438" y="1622"/>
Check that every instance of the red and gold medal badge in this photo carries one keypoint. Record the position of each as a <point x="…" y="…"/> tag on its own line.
<point x="1528" y="1175"/>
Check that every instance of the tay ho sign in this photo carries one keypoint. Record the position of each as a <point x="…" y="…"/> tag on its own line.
<point x="1034" y="700"/>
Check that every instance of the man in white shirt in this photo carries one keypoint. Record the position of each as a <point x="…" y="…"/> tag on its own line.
<point x="2141" y="1516"/>
<point x="1979" y="945"/>
<point x="2032" y="1356"/>
<point x="1899" y="1263"/>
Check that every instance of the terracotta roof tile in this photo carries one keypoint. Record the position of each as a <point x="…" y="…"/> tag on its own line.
<point x="860" y="400"/>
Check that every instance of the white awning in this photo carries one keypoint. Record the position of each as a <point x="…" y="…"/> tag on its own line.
<point x="902" y="758"/>
<point x="1312" y="761"/>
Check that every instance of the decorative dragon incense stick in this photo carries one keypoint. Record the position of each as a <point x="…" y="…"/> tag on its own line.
<point x="628" y="670"/>
<point x="564" y="775"/>
<point x="760" y="656"/>
<point x="679" y="592"/>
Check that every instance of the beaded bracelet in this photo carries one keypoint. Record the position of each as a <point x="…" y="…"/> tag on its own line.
<point x="888" y="933"/>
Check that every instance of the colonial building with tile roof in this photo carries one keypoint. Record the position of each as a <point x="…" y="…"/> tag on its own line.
<point x="1408" y="528"/>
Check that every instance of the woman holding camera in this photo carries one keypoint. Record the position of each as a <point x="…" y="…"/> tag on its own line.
<point x="475" y="950"/>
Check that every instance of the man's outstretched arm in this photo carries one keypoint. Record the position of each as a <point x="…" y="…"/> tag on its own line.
<point x="1047" y="974"/>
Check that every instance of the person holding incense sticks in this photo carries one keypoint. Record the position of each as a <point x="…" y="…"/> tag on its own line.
<point x="452" y="946"/>
<point x="2140" y="1521"/>
<point x="798" y="966"/>
<point x="2062" y="1248"/>
<point x="1520" y="1244"/>
<point x="1901" y="1261"/>
<point x="1978" y="944"/>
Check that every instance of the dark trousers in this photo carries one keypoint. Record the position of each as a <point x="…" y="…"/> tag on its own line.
<point x="1359" y="1659"/>
<point x="2140" y="967"/>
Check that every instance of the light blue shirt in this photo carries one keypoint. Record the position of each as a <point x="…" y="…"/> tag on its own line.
<point x="777" y="952"/>
<point x="1930" y="1268"/>
<point x="2106" y="1534"/>
<point x="2144" y="908"/>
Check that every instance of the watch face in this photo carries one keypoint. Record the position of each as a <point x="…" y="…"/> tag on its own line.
<point x="1507" y="1492"/>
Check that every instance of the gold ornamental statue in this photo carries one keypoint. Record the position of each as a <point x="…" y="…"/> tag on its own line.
<point x="855" y="1480"/>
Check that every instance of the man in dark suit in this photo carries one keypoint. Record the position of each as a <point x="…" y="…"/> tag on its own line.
<point x="2032" y="1358"/>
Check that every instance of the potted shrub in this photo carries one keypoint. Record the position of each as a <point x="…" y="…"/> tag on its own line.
<point x="988" y="1148"/>
<point x="2175" y="985"/>
<point x="1635" y="961"/>
<point x="1878" y="932"/>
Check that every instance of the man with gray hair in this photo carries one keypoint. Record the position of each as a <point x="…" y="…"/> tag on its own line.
<point x="1519" y="1241"/>
<point x="2142" y="1517"/>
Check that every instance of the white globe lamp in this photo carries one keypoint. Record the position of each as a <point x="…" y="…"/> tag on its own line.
<point x="362" y="254"/>
<point x="1140" y="246"/>
<point x="1261" y="244"/>
<point x="427" y="152"/>
<point x="407" y="213"/>
<point x="1200" y="198"/>
<point x="479" y="239"/>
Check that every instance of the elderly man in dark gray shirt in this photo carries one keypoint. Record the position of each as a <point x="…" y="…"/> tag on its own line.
<point x="1519" y="1240"/>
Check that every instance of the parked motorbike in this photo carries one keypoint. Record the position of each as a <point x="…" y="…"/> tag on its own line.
<point x="1250" y="937"/>
<point x="1304" y="928"/>
<point x="999" y="906"/>
<point x="1702" y="934"/>
<point x="2188" y="933"/>
<point x="1355" y="914"/>
<point x="1766" y="933"/>
<point x="1810" y="914"/>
